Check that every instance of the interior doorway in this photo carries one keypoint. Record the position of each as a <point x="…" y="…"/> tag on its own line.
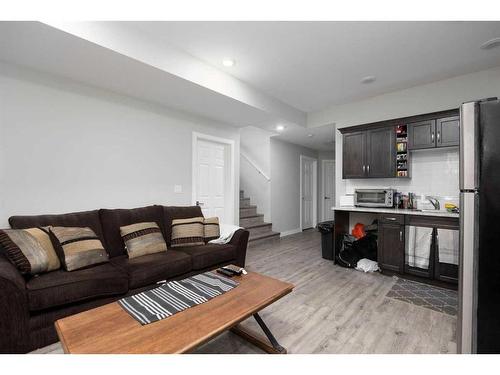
<point x="308" y="192"/>
<point x="213" y="177"/>
<point x="327" y="189"/>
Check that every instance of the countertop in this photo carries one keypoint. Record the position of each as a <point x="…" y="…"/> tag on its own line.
<point x="400" y="211"/>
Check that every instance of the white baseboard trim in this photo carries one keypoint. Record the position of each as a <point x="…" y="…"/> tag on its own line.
<point x="290" y="232"/>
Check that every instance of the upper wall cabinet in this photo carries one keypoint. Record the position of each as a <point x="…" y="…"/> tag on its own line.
<point x="369" y="154"/>
<point x="380" y="150"/>
<point x="354" y="155"/>
<point x="441" y="132"/>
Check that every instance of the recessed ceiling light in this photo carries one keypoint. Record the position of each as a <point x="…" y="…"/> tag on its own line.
<point x="492" y="43"/>
<point x="280" y="128"/>
<point x="310" y="135"/>
<point x="228" y="62"/>
<point x="368" y="79"/>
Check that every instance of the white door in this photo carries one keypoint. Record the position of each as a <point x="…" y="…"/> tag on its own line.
<point x="211" y="179"/>
<point x="328" y="189"/>
<point x="308" y="176"/>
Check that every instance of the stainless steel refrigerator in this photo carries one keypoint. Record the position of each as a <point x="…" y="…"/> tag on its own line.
<point x="478" y="326"/>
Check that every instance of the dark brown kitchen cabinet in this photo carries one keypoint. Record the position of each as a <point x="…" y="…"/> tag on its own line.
<point x="391" y="243"/>
<point x="422" y="134"/>
<point x="448" y="131"/>
<point x="381" y="153"/>
<point x="369" y="154"/>
<point x="441" y="132"/>
<point x="354" y="155"/>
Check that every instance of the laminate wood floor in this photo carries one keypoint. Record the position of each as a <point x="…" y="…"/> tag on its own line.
<point x="333" y="309"/>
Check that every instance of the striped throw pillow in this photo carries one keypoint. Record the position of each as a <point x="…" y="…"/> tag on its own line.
<point x="30" y="250"/>
<point x="211" y="228"/>
<point x="187" y="232"/>
<point x="143" y="239"/>
<point x="78" y="247"/>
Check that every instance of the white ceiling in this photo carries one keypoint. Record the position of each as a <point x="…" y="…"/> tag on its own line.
<point x="283" y="71"/>
<point x="314" y="65"/>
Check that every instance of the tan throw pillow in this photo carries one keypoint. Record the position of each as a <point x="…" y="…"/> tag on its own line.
<point x="143" y="239"/>
<point x="211" y="228"/>
<point x="78" y="247"/>
<point x="30" y="250"/>
<point x="187" y="232"/>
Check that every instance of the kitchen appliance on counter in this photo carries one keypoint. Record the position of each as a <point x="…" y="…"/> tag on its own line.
<point x="374" y="197"/>
<point x="478" y="327"/>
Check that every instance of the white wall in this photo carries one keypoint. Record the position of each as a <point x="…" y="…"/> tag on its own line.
<point x="436" y="96"/>
<point x="256" y="144"/>
<point x="285" y="184"/>
<point x="67" y="147"/>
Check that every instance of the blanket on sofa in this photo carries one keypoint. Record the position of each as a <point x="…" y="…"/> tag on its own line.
<point x="175" y="296"/>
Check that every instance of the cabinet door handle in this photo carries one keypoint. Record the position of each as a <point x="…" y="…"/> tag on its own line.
<point x="368" y="168"/>
<point x="390" y="218"/>
<point x="364" y="168"/>
<point x="432" y="137"/>
<point x="400" y="236"/>
<point x="438" y="136"/>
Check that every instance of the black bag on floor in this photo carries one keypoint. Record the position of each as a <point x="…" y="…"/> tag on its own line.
<point x="353" y="250"/>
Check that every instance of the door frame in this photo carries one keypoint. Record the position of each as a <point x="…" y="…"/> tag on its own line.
<point x="230" y="184"/>
<point x="315" y="191"/>
<point x="323" y="185"/>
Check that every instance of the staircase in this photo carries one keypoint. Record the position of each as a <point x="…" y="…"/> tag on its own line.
<point x="254" y="222"/>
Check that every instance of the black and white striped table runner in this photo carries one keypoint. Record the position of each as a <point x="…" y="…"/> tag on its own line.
<point x="175" y="296"/>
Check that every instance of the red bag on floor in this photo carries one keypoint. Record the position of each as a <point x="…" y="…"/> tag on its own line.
<point x="358" y="231"/>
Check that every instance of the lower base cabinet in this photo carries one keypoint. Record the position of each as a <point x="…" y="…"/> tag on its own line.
<point x="391" y="247"/>
<point x="405" y="239"/>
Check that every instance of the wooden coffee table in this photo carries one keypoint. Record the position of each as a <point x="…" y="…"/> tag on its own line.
<point x="109" y="329"/>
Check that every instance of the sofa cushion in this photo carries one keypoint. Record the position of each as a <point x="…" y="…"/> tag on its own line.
<point x="60" y="287"/>
<point x="75" y="219"/>
<point x="142" y="239"/>
<point x="113" y="219"/>
<point x="152" y="268"/>
<point x="177" y="212"/>
<point x="78" y="247"/>
<point x="209" y="255"/>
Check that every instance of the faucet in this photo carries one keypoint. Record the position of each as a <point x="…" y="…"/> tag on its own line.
<point x="434" y="201"/>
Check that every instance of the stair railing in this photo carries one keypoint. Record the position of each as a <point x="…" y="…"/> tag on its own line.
<point x="252" y="163"/>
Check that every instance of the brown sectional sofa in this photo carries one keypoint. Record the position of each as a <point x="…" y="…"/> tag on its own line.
<point x="30" y="306"/>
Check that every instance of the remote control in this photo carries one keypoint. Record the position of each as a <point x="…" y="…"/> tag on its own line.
<point x="225" y="272"/>
<point x="236" y="270"/>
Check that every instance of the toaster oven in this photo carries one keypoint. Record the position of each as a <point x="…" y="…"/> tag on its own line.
<point x="374" y="197"/>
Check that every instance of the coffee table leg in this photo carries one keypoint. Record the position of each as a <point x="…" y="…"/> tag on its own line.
<point x="259" y="341"/>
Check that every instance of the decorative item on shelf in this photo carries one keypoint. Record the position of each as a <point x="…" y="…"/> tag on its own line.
<point x="401" y="151"/>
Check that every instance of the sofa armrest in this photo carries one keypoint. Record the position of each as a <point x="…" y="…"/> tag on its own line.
<point x="240" y="240"/>
<point x="14" y="313"/>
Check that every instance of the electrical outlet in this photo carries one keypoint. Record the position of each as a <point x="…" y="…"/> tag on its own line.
<point x="177" y="188"/>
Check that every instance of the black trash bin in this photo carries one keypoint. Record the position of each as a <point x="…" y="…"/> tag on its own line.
<point x="326" y="229"/>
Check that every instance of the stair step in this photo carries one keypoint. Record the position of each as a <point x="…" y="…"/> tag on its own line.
<point x="259" y="228"/>
<point x="248" y="211"/>
<point x="251" y="220"/>
<point x="261" y="236"/>
<point x="244" y="202"/>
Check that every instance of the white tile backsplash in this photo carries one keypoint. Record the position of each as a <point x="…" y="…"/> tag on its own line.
<point x="433" y="172"/>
